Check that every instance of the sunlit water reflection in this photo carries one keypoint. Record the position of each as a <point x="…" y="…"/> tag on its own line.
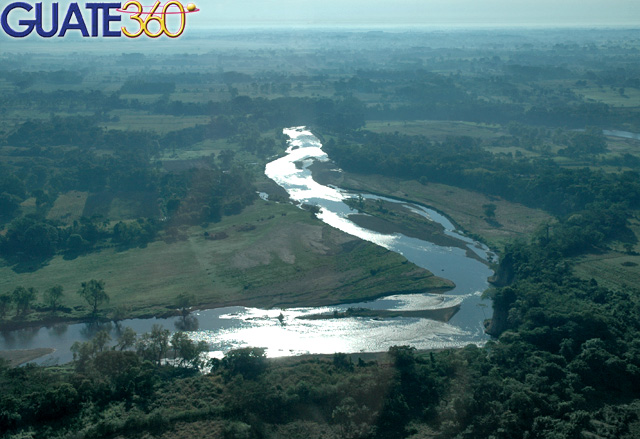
<point x="281" y="332"/>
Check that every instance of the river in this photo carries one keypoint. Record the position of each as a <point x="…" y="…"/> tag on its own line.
<point x="623" y="134"/>
<point x="281" y="332"/>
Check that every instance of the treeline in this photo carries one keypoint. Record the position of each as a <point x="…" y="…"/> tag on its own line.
<point x="33" y="237"/>
<point x="147" y="87"/>
<point x="485" y="97"/>
<point x="463" y="162"/>
<point x="102" y="376"/>
<point x="51" y="301"/>
<point x="567" y="361"/>
<point x="190" y="197"/>
<point x="336" y="115"/>
<point x="73" y="153"/>
<point x="23" y="79"/>
<point x="83" y="132"/>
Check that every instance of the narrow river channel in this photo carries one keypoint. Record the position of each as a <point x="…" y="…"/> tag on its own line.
<point x="281" y="332"/>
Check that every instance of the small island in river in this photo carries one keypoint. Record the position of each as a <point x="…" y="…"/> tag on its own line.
<point x="439" y="314"/>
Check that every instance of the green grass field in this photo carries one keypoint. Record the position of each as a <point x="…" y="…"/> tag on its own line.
<point x="436" y="129"/>
<point x="612" y="270"/>
<point x="202" y="149"/>
<point x="615" y="269"/>
<point x="285" y="258"/>
<point x="463" y="206"/>
<point x="156" y="123"/>
<point x="511" y="149"/>
<point x="609" y="96"/>
<point x="68" y="207"/>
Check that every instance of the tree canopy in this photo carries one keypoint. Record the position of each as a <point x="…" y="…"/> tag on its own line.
<point x="93" y="293"/>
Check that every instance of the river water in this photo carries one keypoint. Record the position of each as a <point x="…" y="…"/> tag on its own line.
<point x="623" y="134"/>
<point x="281" y="332"/>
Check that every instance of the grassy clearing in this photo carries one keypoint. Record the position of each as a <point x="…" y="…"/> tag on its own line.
<point x="158" y="123"/>
<point x="615" y="269"/>
<point x="511" y="149"/>
<point x="201" y="95"/>
<point x="172" y="158"/>
<point x="144" y="98"/>
<point x="68" y="207"/>
<point x="621" y="146"/>
<point x="612" y="270"/>
<point x="133" y="205"/>
<point x="610" y="96"/>
<point x="200" y="149"/>
<point x="274" y="255"/>
<point x="463" y="206"/>
<point x="436" y="129"/>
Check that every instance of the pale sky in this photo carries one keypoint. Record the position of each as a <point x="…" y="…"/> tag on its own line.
<point x="216" y="13"/>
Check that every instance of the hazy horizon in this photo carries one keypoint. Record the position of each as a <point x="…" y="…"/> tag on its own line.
<point x="417" y="13"/>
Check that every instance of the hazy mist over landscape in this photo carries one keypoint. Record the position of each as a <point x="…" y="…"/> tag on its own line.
<point x="361" y="13"/>
<point x="409" y="219"/>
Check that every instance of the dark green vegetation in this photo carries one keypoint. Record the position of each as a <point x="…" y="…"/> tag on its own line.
<point x="464" y="115"/>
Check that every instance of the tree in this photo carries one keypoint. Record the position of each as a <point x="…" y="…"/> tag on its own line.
<point x="53" y="296"/>
<point x="5" y="303"/>
<point x="23" y="298"/>
<point x="184" y="302"/>
<point x="127" y="339"/>
<point x="153" y="346"/>
<point x="76" y="242"/>
<point x="9" y="205"/>
<point x="187" y="350"/>
<point x="93" y="292"/>
<point x="248" y="362"/>
<point x="83" y="354"/>
<point x="100" y="340"/>
<point x="41" y="240"/>
<point x="342" y="361"/>
<point x="226" y="157"/>
<point x="119" y="313"/>
<point x="489" y="210"/>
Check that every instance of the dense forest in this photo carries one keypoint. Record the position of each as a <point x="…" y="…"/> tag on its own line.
<point x="564" y="358"/>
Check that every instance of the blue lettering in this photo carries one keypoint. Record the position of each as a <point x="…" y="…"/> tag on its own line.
<point x="4" y="19"/>
<point x="106" y="18"/>
<point x="54" y="21"/>
<point x="16" y="27"/>
<point x="94" y="17"/>
<point x="73" y="10"/>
